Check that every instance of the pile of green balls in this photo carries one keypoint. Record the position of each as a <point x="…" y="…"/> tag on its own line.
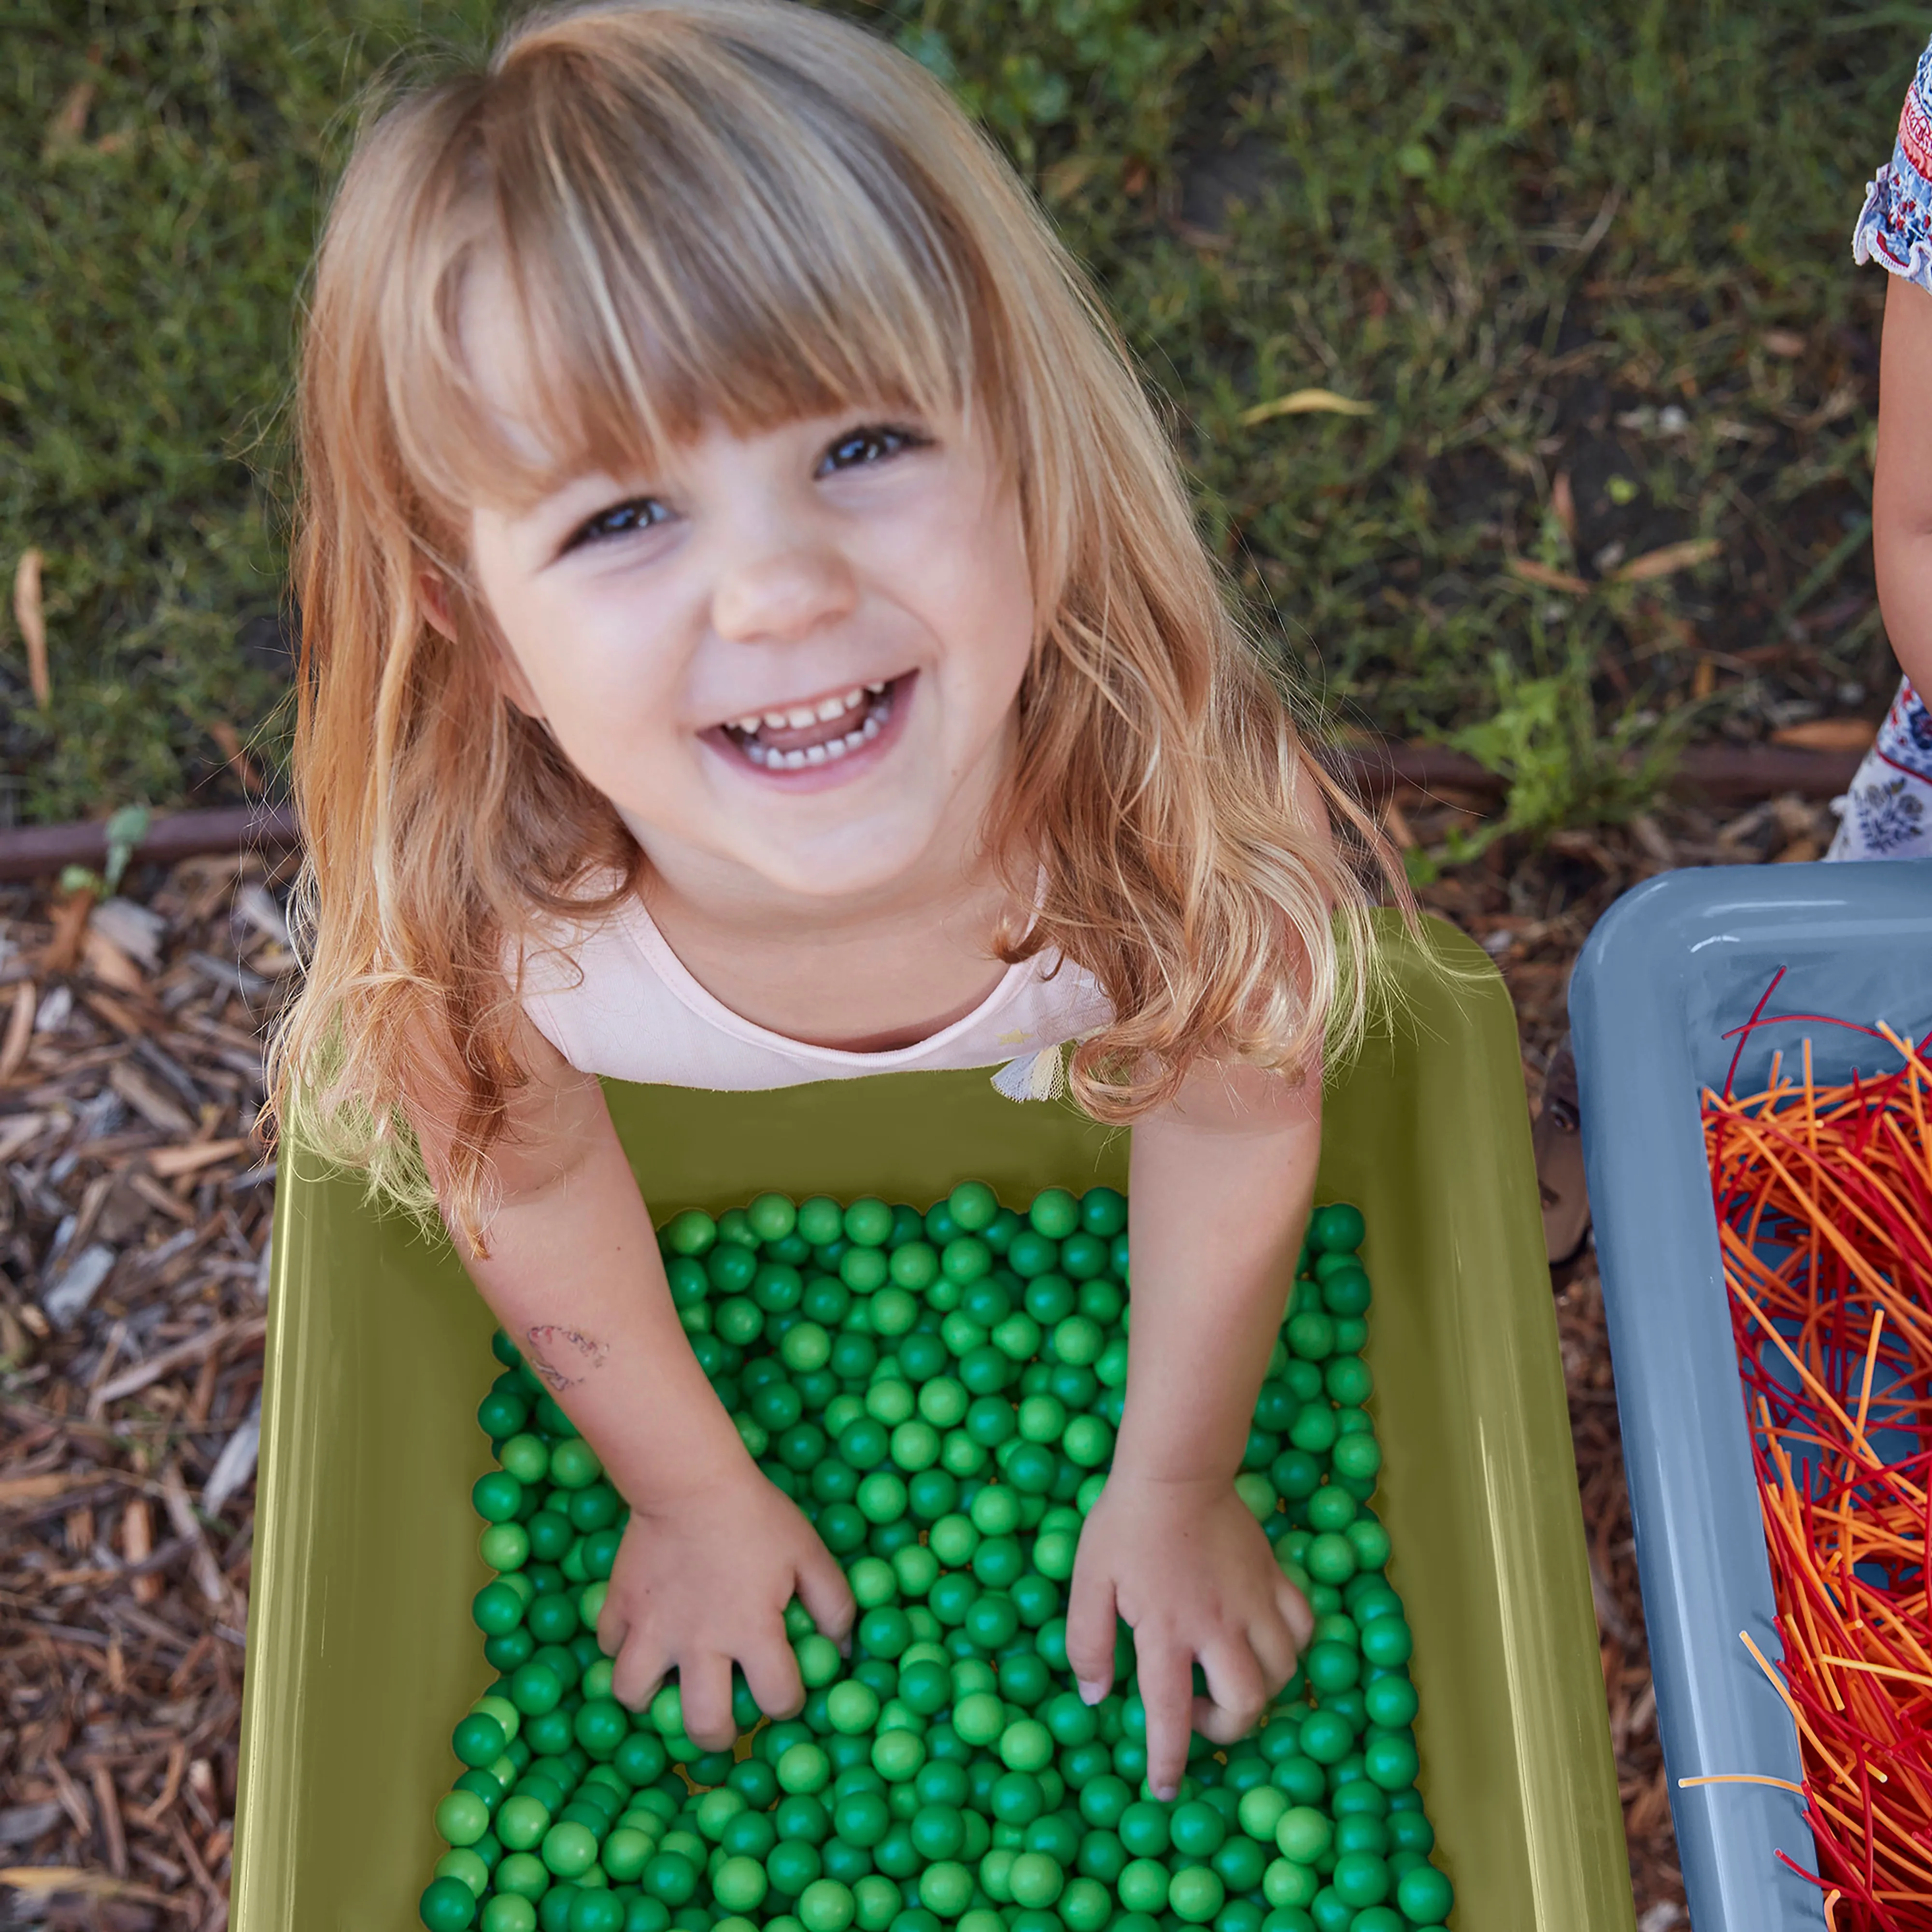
<point x="939" y="1392"/>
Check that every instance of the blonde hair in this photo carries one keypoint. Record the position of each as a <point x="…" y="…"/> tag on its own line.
<point x="745" y="211"/>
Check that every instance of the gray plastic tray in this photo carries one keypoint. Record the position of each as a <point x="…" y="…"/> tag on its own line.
<point x="1672" y="967"/>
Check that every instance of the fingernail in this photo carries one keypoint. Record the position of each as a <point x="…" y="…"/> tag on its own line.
<point x="1092" y="1689"/>
<point x="1167" y="1793"/>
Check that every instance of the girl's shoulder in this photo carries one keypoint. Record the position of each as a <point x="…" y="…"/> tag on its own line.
<point x="1894" y="226"/>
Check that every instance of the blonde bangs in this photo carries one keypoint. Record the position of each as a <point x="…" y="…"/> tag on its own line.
<point x="809" y="265"/>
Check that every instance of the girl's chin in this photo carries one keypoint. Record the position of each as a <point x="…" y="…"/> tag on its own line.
<point x="870" y="856"/>
<point x="844" y="873"/>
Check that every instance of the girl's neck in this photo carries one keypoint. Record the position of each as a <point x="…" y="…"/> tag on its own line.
<point x="862" y="977"/>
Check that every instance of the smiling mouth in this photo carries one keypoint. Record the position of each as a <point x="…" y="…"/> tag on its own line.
<point x="804" y="736"/>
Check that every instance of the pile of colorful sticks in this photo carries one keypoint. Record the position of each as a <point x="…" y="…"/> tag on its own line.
<point x="1824" y="1205"/>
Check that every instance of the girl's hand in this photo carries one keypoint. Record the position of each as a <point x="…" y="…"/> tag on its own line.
<point x="701" y="1581"/>
<point x="1186" y="1565"/>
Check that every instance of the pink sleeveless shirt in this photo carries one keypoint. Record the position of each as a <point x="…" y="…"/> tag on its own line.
<point x="637" y="1014"/>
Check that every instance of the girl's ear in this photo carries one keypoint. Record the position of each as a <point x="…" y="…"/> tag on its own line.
<point x="434" y="592"/>
<point x="435" y="596"/>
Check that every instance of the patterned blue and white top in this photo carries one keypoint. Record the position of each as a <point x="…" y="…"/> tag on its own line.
<point x="1887" y="814"/>
<point x="1894" y="226"/>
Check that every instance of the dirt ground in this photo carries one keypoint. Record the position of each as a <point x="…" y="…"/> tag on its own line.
<point x="134" y="1215"/>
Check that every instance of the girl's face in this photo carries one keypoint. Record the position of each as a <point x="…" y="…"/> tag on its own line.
<point x="791" y="659"/>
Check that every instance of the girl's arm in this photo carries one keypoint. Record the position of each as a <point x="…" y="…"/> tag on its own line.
<point x="1221" y="1183"/>
<point x="1902" y="483"/>
<point x="713" y="1551"/>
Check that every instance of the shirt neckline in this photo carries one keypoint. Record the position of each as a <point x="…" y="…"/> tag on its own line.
<point x="644" y="931"/>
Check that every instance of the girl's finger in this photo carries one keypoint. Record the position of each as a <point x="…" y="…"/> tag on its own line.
<point x="1272" y="1642"/>
<point x="1299" y="1612"/>
<point x="638" y="1672"/>
<point x="823" y="1591"/>
<point x="771" y="1674"/>
<point x="614" y="1627"/>
<point x="1212" y="1721"/>
<point x="1166" y="1676"/>
<point x="1237" y="1691"/>
<point x="1090" y="1614"/>
<point x="705" y="1682"/>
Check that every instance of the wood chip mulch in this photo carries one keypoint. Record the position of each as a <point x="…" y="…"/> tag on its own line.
<point x="134" y="1214"/>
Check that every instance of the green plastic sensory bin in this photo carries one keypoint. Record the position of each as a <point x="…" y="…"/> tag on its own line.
<point x="364" y="1642"/>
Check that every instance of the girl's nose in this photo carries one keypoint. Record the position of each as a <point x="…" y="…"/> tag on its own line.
<point x="781" y="594"/>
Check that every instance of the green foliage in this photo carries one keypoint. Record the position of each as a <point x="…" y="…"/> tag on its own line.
<point x="123" y="831"/>
<point x="147" y="267"/>
<point x="1563" y="769"/>
<point x="1034" y="69"/>
<point x="1510" y="226"/>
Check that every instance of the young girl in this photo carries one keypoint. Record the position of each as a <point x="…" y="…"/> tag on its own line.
<point x="754" y="633"/>
<point x="1887" y="812"/>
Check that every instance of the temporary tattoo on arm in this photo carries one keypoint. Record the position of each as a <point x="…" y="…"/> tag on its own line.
<point x="562" y="1356"/>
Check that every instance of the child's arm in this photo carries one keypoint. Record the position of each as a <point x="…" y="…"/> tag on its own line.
<point x="713" y="1551"/>
<point x="1221" y="1183"/>
<point x="1902" y="483"/>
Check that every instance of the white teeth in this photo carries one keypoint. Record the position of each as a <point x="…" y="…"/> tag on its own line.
<point x="800" y="715"/>
<point x="828" y="753"/>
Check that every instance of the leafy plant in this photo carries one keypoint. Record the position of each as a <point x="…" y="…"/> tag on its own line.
<point x="1563" y="768"/>
<point x="124" y="830"/>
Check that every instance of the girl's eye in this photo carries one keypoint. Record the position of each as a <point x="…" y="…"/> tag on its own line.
<point x="640" y="513"/>
<point x="871" y="443"/>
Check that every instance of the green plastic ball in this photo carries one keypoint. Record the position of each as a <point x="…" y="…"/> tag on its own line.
<point x="1143" y="1886"/>
<point x="1026" y="1746"/>
<point x="670" y="1877"/>
<point x="693" y="1232"/>
<point x="1054" y="1213"/>
<point x="1389" y="1761"/>
<point x="1361" y="1878"/>
<point x="973" y="1205"/>
<point x="462" y="1818"/>
<point x="945" y="1887"/>
<point x="1035" y="1880"/>
<point x="480" y="1740"/>
<point x="1426" y="1897"/>
<point x="1290" y="1886"/>
<point x="1336" y="1229"/>
<point x="448" y="1905"/>
<point x="569" y="1849"/>
<point x="1195" y="1894"/>
<point x="868" y="1223"/>
<point x="1197" y="1830"/>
